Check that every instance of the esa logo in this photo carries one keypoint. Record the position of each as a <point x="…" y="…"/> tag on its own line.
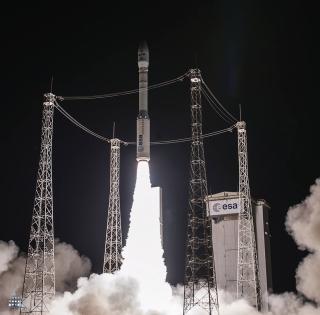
<point x="218" y="207"/>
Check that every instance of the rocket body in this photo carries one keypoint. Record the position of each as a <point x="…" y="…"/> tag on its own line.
<point x="143" y="120"/>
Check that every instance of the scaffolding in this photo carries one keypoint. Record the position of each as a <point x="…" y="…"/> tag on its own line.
<point x="39" y="278"/>
<point x="247" y="272"/>
<point x="113" y="245"/>
<point x="200" y="288"/>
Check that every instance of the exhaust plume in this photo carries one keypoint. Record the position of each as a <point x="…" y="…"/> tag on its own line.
<point x="139" y="288"/>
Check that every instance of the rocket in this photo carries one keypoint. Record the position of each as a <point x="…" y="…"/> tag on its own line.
<point x="143" y="120"/>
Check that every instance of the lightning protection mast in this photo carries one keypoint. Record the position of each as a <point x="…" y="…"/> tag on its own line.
<point x="247" y="273"/>
<point x="39" y="279"/>
<point x="113" y="245"/>
<point x="200" y="287"/>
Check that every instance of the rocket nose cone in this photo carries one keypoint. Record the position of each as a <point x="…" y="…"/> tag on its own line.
<point x="143" y="52"/>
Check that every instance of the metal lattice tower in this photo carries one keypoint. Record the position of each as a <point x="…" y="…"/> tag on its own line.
<point x="200" y="287"/>
<point x="113" y="245"/>
<point x="39" y="279"/>
<point x="247" y="273"/>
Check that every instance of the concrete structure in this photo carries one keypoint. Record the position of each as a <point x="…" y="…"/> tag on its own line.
<point x="223" y="208"/>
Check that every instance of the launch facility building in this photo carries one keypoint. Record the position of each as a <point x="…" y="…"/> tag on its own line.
<point x="223" y="210"/>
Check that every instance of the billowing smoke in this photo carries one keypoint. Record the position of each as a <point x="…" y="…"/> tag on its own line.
<point x="303" y="223"/>
<point x="11" y="274"/>
<point x="143" y="254"/>
<point x="69" y="265"/>
<point x="139" y="288"/>
<point x="68" y="262"/>
<point x="8" y="252"/>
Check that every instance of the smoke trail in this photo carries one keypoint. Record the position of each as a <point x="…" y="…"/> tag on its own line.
<point x="139" y="288"/>
<point x="143" y="254"/>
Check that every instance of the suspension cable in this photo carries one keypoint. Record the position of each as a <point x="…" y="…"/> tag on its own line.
<point x="182" y="140"/>
<point x="214" y="99"/>
<point x="161" y="142"/>
<point x="218" y="110"/>
<point x="78" y="124"/>
<point x="128" y="92"/>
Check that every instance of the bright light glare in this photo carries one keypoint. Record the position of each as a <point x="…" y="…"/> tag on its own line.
<point x="140" y="286"/>
<point x="143" y="253"/>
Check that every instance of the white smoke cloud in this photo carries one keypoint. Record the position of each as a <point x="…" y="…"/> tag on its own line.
<point x="110" y="294"/>
<point x="303" y="223"/>
<point x="308" y="275"/>
<point x="125" y="292"/>
<point x="100" y="294"/>
<point x="139" y="288"/>
<point x="11" y="274"/>
<point x="291" y="304"/>
<point x="303" y="220"/>
<point x="69" y="267"/>
<point x="8" y="251"/>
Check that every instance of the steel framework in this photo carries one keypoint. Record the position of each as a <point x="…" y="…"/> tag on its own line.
<point x="39" y="278"/>
<point x="247" y="272"/>
<point x="113" y="245"/>
<point x="200" y="287"/>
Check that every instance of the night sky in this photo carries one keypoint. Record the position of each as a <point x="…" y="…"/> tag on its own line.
<point x="256" y="53"/>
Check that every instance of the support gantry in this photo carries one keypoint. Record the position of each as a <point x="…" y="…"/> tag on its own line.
<point x="200" y="287"/>
<point x="39" y="279"/>
<point x="247" y="272"/>
<point x="113" y="245"/>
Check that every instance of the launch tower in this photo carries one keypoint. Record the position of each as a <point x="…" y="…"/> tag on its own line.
<point x="39" y="278"/>
<point x="113" y="245"/>
<point x="200" y="288"/>
<point x="247" y="273"/>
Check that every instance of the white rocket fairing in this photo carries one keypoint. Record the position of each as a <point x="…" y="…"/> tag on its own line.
<point x="143" y="121"/>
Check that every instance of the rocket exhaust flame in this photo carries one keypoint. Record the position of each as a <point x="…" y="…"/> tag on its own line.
<point x="140" y="287"/>
<point x="143" y="253"/>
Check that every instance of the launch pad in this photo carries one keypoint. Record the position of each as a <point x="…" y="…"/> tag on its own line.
<point x="200" y="287"/>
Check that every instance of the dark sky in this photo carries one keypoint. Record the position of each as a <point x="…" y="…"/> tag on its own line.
<point x="256" y="53"/>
